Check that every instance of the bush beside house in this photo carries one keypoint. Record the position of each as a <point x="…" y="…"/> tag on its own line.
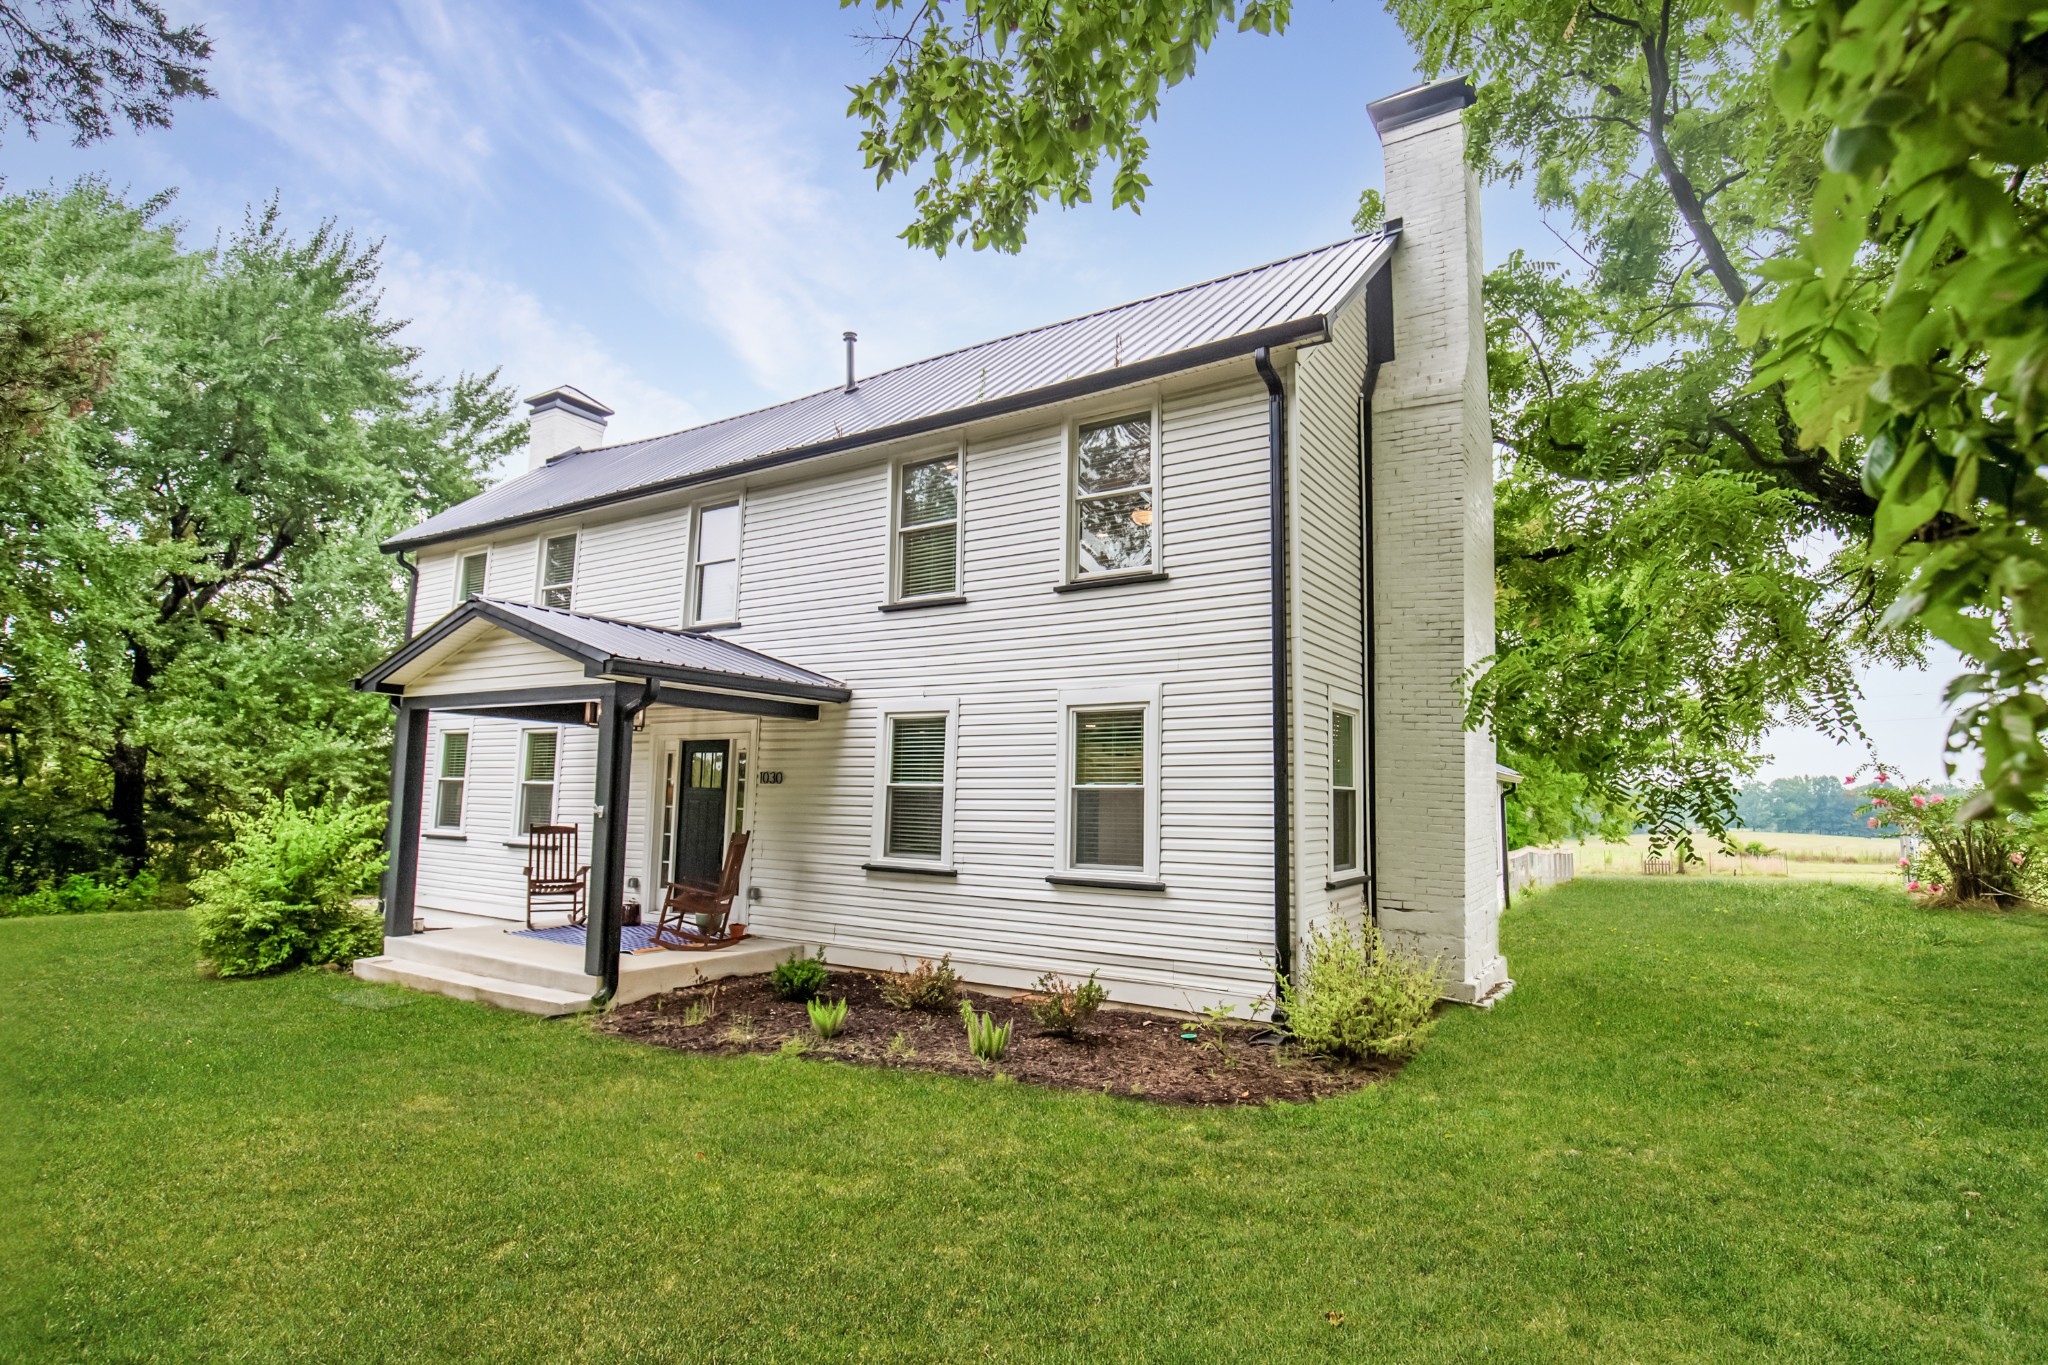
<point x="284" y="897"/>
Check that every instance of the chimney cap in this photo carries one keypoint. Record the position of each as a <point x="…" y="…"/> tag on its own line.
<point x="1420" y="102"/>
<point x="570" y="399"/>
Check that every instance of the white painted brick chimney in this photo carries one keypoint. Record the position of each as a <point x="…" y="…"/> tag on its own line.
<point x="1437" y="800"/>
<point x="562" y="419"/>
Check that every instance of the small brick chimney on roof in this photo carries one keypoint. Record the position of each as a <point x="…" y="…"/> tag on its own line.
<point x="562" y="419"/>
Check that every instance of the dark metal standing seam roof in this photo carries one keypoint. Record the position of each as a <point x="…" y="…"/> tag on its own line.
<point x="621" y="647"/>
<point x="1288" y="300"/>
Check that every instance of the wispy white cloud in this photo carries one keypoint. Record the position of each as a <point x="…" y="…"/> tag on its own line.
<point x="463" y="320"/>
<point x="714" y="184"/>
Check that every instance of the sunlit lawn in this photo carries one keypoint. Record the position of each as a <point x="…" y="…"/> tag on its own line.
<point x="1716" y="1121"/>
<point x="1824" y="857"/>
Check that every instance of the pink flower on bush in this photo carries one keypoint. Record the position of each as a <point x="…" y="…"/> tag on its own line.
<point x="1937" y="888"/>
<point x="1872" y="822"/>
<point x="1880" y="802"/>
<point x="1912" y="886"/>
<point x="1905" y="862"/>
<point x="2018" y="858"/>
<point x="1881" y="777"/>
<point x="1936" y="799"/>
<point x="1849" y="781"/>
<point x="1919" y="803"/>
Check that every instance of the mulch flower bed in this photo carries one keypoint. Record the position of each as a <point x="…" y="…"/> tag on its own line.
<point x="1122" y="1052"/>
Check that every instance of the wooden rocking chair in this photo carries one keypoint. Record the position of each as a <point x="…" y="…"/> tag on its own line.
<point x="696" y="916"/>
<point x="553" y="874"/>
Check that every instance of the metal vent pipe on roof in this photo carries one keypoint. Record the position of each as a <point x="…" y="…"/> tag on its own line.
<point x="851" y="337"/>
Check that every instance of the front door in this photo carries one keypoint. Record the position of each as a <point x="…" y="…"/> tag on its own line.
<point x="700" y="810"/>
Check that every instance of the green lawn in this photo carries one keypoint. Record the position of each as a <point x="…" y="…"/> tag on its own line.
<point x="1716" y="1121"/>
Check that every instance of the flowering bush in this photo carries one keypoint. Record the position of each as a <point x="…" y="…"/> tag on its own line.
<point x="2002" y="860"/>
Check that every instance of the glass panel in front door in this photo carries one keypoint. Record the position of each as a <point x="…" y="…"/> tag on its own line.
<point x="700" y="810"/>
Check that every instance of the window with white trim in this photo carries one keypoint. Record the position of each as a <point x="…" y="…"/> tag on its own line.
<point x="451" y="779"/>
<point x="1347" y="815"/>
<point x="927" y="550"/>
<point x="914" y="802"/>
<point x="558" y="571"/>
<point x="1111" y="801"/>
<point x="536" y="804"/>
<point x="1114" y="522"/>
<point x="715" y="565"/>
<point x="470" y="572"/>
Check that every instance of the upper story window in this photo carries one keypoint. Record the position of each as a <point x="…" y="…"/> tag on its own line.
<point x="927" y="550"/>
<point x="715" y="565"/>
<point x="1114" y="523"/>
<point x="558" y="571"/>
<point x="470" y="572"/>
<point x="1346" y="814"/>
<point x="451" y="780"/>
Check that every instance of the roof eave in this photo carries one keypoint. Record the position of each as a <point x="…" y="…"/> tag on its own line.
<point x="1138" y="372"/>
<point x="596" y="663"/>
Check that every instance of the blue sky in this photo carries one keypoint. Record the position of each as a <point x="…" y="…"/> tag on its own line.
<point x="663" y="205"/>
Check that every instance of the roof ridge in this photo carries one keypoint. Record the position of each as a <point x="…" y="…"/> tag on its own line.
<point x="975" y="346"/>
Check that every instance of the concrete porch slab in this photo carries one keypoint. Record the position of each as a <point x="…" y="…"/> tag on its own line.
<point x="505" y="968"/>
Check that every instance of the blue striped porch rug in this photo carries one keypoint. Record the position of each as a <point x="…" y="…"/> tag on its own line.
<point x="633" y="938"/>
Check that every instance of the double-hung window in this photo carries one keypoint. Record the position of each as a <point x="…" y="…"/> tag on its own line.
<point x="715" y="566"/>
<point x="1114" y="519"/>
<point x="928" y="529"/>
<point x="558" y="571"/>
<point x="915" y="794"/>
<point x="1109" y="792"/>
<point x="451" y="779"/>
<point x="536" y="803"/>
<point x="470" y="573"/>
<point x="1346" y="813"/>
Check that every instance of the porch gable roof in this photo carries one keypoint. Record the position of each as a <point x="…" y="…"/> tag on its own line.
<point x="609" y="648"/>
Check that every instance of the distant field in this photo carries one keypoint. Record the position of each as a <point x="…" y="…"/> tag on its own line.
<point x="1829" y="857"/>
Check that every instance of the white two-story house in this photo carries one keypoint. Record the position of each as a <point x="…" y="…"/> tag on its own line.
<point x="1131" y="644"/>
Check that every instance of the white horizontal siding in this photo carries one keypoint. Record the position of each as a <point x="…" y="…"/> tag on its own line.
<point x="483" y="872"/>
<point x="493" y="661"/>
<point x="513" y="574"/>
<point x="814" y="569"/>
<point x="633" y="569"/>
<point x="435" y="596"/>
<point x="1327" y="597"/>
<point x="1006" y="655"/>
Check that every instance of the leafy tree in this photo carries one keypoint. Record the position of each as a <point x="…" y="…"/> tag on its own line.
<point x="1678" y="570"/>
<point x="1803" y="805"/>
<point x="198" y="539"/>
<point x="1909" y="325"/>
<point x="88" y="62"/>
<point x="1010" y="104"/>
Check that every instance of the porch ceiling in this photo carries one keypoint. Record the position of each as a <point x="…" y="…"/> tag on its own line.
<point x="539" y="654"/>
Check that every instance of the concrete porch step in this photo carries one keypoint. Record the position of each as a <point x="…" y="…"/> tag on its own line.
<point x="497" y="954"/>
<point x="490" y="990"/>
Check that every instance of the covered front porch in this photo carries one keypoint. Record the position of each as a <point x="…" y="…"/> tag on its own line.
<point x="689" y="705"/>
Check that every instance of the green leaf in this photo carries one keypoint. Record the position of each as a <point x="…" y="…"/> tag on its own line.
<point x="1858" y="151"/>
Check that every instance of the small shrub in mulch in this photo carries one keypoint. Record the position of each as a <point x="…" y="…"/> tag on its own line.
<point x="1121" y="1052"/>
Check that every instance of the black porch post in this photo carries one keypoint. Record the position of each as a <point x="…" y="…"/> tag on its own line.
<point x="402" y="833"/>
<point x="608" y="837"/>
